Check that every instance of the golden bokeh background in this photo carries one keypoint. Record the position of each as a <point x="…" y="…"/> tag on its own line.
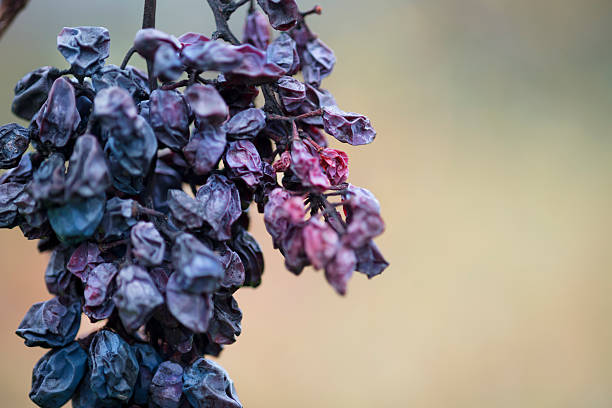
<point x="493" y="166"/>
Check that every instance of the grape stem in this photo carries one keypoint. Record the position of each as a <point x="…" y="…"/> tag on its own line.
<point x="9" y="9"/>
<point x="148" y="17"/>
<point x="127" y="57"/>
<point x="222" y="13"/>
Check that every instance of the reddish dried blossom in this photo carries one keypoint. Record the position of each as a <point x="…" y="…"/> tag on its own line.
<point x="335" y="165"/>
<point x="306" y="166"/>
<point x="281" y="212"/>
<point x="320" y="242"/>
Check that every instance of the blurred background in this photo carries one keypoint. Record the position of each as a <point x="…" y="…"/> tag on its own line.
<point x="493" y="166"/>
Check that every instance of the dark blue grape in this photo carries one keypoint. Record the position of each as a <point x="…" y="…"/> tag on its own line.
<point x="198" y="269"/>
<point x="119" y="217"/>
<point x="148" y="361"/>
<point x="57" y="375"/>
<point x="207" y="384"/>
<point x="9" y="192"/>
<point x="113" y="367"/>
<point x="77" y="220"/>
<point x="49" y="180"/>
<point x="58" y="278"/>
<point x="14" y="140"/>
<point x="225" y="324"/>
<point x="129" y="79"/>
<point x="370" y="260"/>
<point x="32" y="90"/>
<point x="53" y="323"/>
<point x="251" y="255"/>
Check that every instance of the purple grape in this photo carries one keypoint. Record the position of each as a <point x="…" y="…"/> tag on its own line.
<point x="205" y="148"/>
<point x="99" y="288"/>
<point x="167" y="386"/>
<point x="169" y="118"/>
<point x="58" y="119"/>
<point x="206" y="103"/>
<point x="32" y="90"/>
<point x="148" y="41"/>
<point x="283" y="52"/>
<point x="88" y="174"/>
<point x="350" y="128"/>
<point x="147" y="243"/>
<point x="244" y="162"/>
<point x="194" y="311"/>
<point x="318" y="61"/>
<point x="136" y="297"/>
<point x="307" y="167"/>
<point x="283" y="14"/>
<point x="221" y="205"/>
<point x="211" y="56"/>
<point x="246" y="124"/>
<point x="257" y="30"/>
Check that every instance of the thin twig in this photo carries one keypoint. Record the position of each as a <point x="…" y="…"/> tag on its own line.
<point x="222" y="14"/>
<point x="127" y="57"/>
<point x="9" y="9"/>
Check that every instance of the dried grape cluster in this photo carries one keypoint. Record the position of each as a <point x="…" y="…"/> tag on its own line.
<point x="142" y="193"/>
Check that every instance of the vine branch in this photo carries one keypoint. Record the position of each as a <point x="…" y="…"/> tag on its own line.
<point x="9" y="9"/>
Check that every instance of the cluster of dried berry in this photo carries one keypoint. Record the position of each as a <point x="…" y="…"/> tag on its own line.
<point x="105" y="187"/>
